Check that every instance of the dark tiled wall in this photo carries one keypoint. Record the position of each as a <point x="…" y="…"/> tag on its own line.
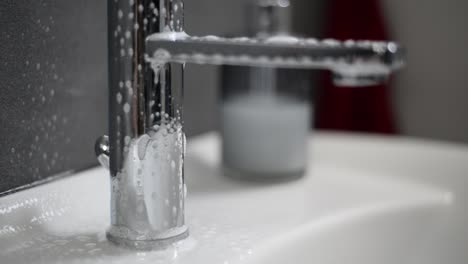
<point x="53" y="87"/>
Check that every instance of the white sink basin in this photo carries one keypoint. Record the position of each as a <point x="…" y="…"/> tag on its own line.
<point x="364" y="200"/>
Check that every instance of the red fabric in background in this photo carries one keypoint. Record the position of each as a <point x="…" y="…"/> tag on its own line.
<point x="362" y="109"/>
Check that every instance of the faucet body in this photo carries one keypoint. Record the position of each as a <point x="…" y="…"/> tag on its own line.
<point x="146" y="144"/>
<point x="145" y="147"/>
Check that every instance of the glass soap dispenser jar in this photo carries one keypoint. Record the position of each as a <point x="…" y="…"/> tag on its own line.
<point x="265" y="113"/>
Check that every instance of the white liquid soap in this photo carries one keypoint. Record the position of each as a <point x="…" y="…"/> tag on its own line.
<point x="265" y="135"/>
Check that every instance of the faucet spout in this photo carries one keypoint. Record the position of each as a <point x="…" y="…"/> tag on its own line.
<point x="354" y="63"/>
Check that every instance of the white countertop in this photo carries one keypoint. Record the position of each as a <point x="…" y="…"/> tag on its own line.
<point x="350" y="177"/>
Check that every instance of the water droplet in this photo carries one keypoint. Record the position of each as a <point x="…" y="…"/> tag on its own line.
<point x="126" y="108"/>
<point x="119" y="98"/>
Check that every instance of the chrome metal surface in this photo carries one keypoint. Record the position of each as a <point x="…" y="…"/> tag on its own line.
<point x="102" y="151"/>
<point x="271" y="17"/>
<point x="361" y="62"/>
<point x="146" y="139"/>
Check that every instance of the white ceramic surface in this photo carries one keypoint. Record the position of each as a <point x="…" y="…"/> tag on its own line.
<point x="364" y="200"/>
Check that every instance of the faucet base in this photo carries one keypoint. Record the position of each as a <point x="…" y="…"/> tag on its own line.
<point x="156" y="244"/>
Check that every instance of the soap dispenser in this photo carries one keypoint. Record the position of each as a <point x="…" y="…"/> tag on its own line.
<point x="265" y="113"/>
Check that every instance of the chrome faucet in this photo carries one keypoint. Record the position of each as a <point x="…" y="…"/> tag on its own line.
<point x="146" y="144"/>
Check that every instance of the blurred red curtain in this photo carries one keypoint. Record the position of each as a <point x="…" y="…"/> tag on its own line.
<point x="362" y="109"/>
